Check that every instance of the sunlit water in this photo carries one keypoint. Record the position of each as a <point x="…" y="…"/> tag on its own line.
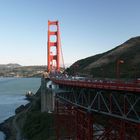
<point x="12" y="95"/>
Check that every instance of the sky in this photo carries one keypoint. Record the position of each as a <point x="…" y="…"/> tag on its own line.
<point x="87" y="27"/>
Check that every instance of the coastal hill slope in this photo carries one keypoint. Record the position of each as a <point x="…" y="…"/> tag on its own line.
<point x="10" y="65"/>
<point x="105" y="64"/>
<point x="16" y="70"/>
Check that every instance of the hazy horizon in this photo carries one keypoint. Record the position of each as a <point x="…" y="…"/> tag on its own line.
<point x="66" y="65"/>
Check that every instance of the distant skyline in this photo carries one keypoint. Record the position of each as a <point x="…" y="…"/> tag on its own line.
<point x="87" y="27"/>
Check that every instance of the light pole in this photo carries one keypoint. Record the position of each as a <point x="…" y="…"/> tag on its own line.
<point x="118" y="68"/>
<point x="102" y="72"/>
<point x="75" y="68"/>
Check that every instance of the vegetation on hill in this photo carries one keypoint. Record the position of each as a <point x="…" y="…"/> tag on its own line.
<point x="21" y="71"/>
<point x="38" y="125"/>
<point x="10" y="65"/>
<point x="105" y="64"/>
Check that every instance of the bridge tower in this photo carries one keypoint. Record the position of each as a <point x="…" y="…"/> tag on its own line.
<point x="53" y="46"/>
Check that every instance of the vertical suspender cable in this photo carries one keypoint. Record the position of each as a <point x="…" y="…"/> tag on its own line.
<point x="63" y="64"/>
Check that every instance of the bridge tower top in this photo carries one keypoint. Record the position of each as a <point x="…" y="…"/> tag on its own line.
<point x="53" y="46"/>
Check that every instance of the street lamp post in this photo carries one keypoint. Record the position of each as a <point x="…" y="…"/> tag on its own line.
<point x="75" y="68"/>
<point x="118" y="68"/>
<point x="102" y="72"/>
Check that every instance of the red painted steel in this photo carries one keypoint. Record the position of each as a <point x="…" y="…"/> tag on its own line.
<point x="74" y="123"/>
<point x="84" y="124"/>
<point x="121" y="130"/>
<point x="65" y="120"/>
<point x="133" y="87"/>
<point x="53" y="57"/>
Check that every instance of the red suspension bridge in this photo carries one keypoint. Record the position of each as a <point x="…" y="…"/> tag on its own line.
<point x="89" y="109"/>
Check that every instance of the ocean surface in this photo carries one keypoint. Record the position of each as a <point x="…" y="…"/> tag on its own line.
<point x="12" y="95"/>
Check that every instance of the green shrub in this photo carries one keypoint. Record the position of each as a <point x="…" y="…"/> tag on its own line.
<point x="39" y="126"/>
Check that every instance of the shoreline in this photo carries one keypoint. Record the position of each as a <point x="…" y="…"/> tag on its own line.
<point x="7" y="127"/>
<point x="24" y="122"/>
<point x="16" y="104"/>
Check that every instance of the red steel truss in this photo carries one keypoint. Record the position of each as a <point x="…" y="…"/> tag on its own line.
<point x="118" y="130"/>
<point x="72" y="123"/>
<point x="121" y="108"/>
<point x="65" y="121"/>
<point x="84" y="123"/>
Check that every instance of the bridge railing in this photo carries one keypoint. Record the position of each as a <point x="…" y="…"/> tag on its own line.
<point x="96" y="83"/>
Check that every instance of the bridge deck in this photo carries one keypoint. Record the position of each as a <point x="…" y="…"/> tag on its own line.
<point x="108" y="85"/>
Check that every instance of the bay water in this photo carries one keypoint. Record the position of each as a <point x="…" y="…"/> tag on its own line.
<point x="12" y="95"/>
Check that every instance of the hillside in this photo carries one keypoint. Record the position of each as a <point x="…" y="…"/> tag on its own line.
<point x="16" y="70"/>
<point x="105" y="64"/>
<point x="10" y="65"/>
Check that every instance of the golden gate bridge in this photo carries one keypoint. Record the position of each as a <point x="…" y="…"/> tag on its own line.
<point x="89" y="109"/>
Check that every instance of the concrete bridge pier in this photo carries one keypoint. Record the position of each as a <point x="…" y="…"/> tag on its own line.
<point x="47" y="95"/>
<point x="43" y="95"/>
